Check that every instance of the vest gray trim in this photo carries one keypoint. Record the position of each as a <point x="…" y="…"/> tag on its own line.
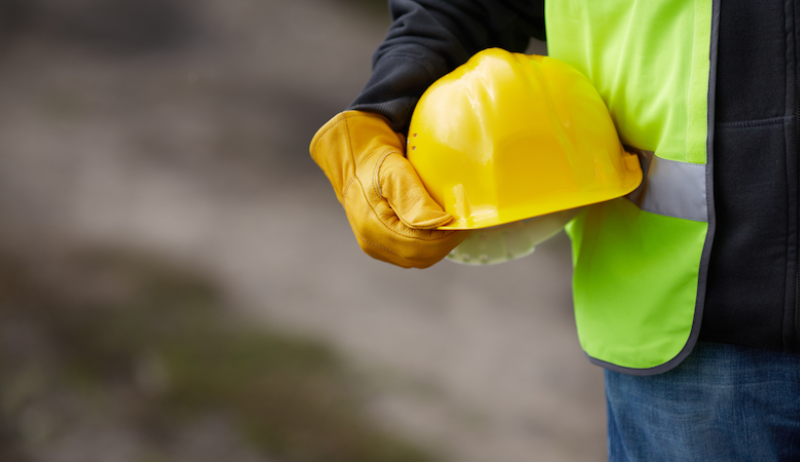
<point x="671" y="188"/>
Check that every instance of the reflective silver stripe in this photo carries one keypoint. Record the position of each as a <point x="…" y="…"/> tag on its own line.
<point x="671" y="188"/>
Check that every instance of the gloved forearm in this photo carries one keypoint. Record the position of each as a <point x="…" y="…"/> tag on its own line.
<point x="429" y="38"/>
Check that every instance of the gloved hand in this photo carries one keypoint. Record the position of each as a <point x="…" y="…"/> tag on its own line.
<point x="392" y="215"/>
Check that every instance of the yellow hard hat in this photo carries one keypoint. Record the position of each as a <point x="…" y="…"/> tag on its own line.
<point x="508" y="136"/>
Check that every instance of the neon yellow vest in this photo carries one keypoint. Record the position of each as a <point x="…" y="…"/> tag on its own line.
<point x="640" y="262"/>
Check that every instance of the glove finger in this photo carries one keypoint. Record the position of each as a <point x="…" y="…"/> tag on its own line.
<point x="381" y="235"/>
<point x="407" y="252"/>
<point x="398" y="183"/>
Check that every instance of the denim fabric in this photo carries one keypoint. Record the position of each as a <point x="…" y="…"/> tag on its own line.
<point x="724" y="403"/>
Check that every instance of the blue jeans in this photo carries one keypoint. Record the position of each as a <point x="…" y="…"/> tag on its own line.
<point x="724" y="403"/>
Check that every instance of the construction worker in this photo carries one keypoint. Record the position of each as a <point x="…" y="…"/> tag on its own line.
<point x="687" y="294"/>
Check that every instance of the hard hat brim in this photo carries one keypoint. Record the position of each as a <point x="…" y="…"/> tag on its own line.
<point x="544" y="206"/>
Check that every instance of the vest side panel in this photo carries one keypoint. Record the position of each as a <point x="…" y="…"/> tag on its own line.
<point x="635" y="283"/>
<point x="639" y="276"/>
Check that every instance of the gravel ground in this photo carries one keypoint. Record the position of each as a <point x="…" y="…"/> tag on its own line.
<point x="198" y="152"/>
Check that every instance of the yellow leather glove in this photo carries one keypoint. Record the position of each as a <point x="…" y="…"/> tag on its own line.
<point x="392" y="215"/>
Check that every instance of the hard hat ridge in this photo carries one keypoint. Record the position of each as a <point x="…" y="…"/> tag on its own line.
<point x="508" y="136"/>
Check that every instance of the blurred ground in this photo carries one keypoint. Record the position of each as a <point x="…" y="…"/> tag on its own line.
<point x="180" y="129"/>
<point x="112" y="356"/>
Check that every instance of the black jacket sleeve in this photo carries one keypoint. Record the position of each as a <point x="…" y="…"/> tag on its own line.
<point x="429" y="38"/>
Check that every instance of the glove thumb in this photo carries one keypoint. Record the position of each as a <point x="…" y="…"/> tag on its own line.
<point x="401" y="186"/>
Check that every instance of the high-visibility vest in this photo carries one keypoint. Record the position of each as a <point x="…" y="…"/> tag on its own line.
<point x="641" y="261"/>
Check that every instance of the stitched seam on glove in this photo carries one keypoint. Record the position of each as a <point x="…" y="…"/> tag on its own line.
<point x="408" y="259"/>
<point x="434" y="226"/>
<point x="378" y="216"/>
<point x="346" y="187"/>
<point x="337" y="120"/>
<point x="361" y="236"/>
<point x="377" y="183"/>
<point x="378" y="173"/>
<point x="350" y="146"/>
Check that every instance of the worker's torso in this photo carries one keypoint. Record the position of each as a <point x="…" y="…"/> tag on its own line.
<point x="709" y="91"/>
<point x="753" y="274"/>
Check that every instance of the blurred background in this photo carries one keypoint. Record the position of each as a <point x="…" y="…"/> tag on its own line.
<point x="179" y="283"/>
